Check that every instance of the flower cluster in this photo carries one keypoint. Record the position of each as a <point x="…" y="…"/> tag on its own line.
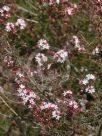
<point x="40" y="59"/>
<point x="8" y="61"/>
<point x="67" y="93"/>
<point x="20" y="23"/>
<point x="4" y="13"/>
<point x="29" y="98"/>
<point x="20" y="76"/>
<point x="86" y="81"/>
<point x="46" y="75"/>
<point x="12" y="27"/>
<point x="61" y="56"/>
<point x="77" y="44"/>
<point x="97" y="50"/>
<point x="27" y="95"/>
<point x="73" y="104"/>
<point x="53" y="109"/>
<point x="90" y="89"/>
<point x="43" y="44"/>
<point x="70" y="10"/>
<point x="44" y="110"/>
<point x="70" y="103"/>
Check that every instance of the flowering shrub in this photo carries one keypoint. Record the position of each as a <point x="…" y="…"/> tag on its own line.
<point x="51" y="67"/>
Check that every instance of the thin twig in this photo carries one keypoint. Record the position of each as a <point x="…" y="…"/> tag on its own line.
<point x="25" y="10"/>
<point x="11" y="109"/>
